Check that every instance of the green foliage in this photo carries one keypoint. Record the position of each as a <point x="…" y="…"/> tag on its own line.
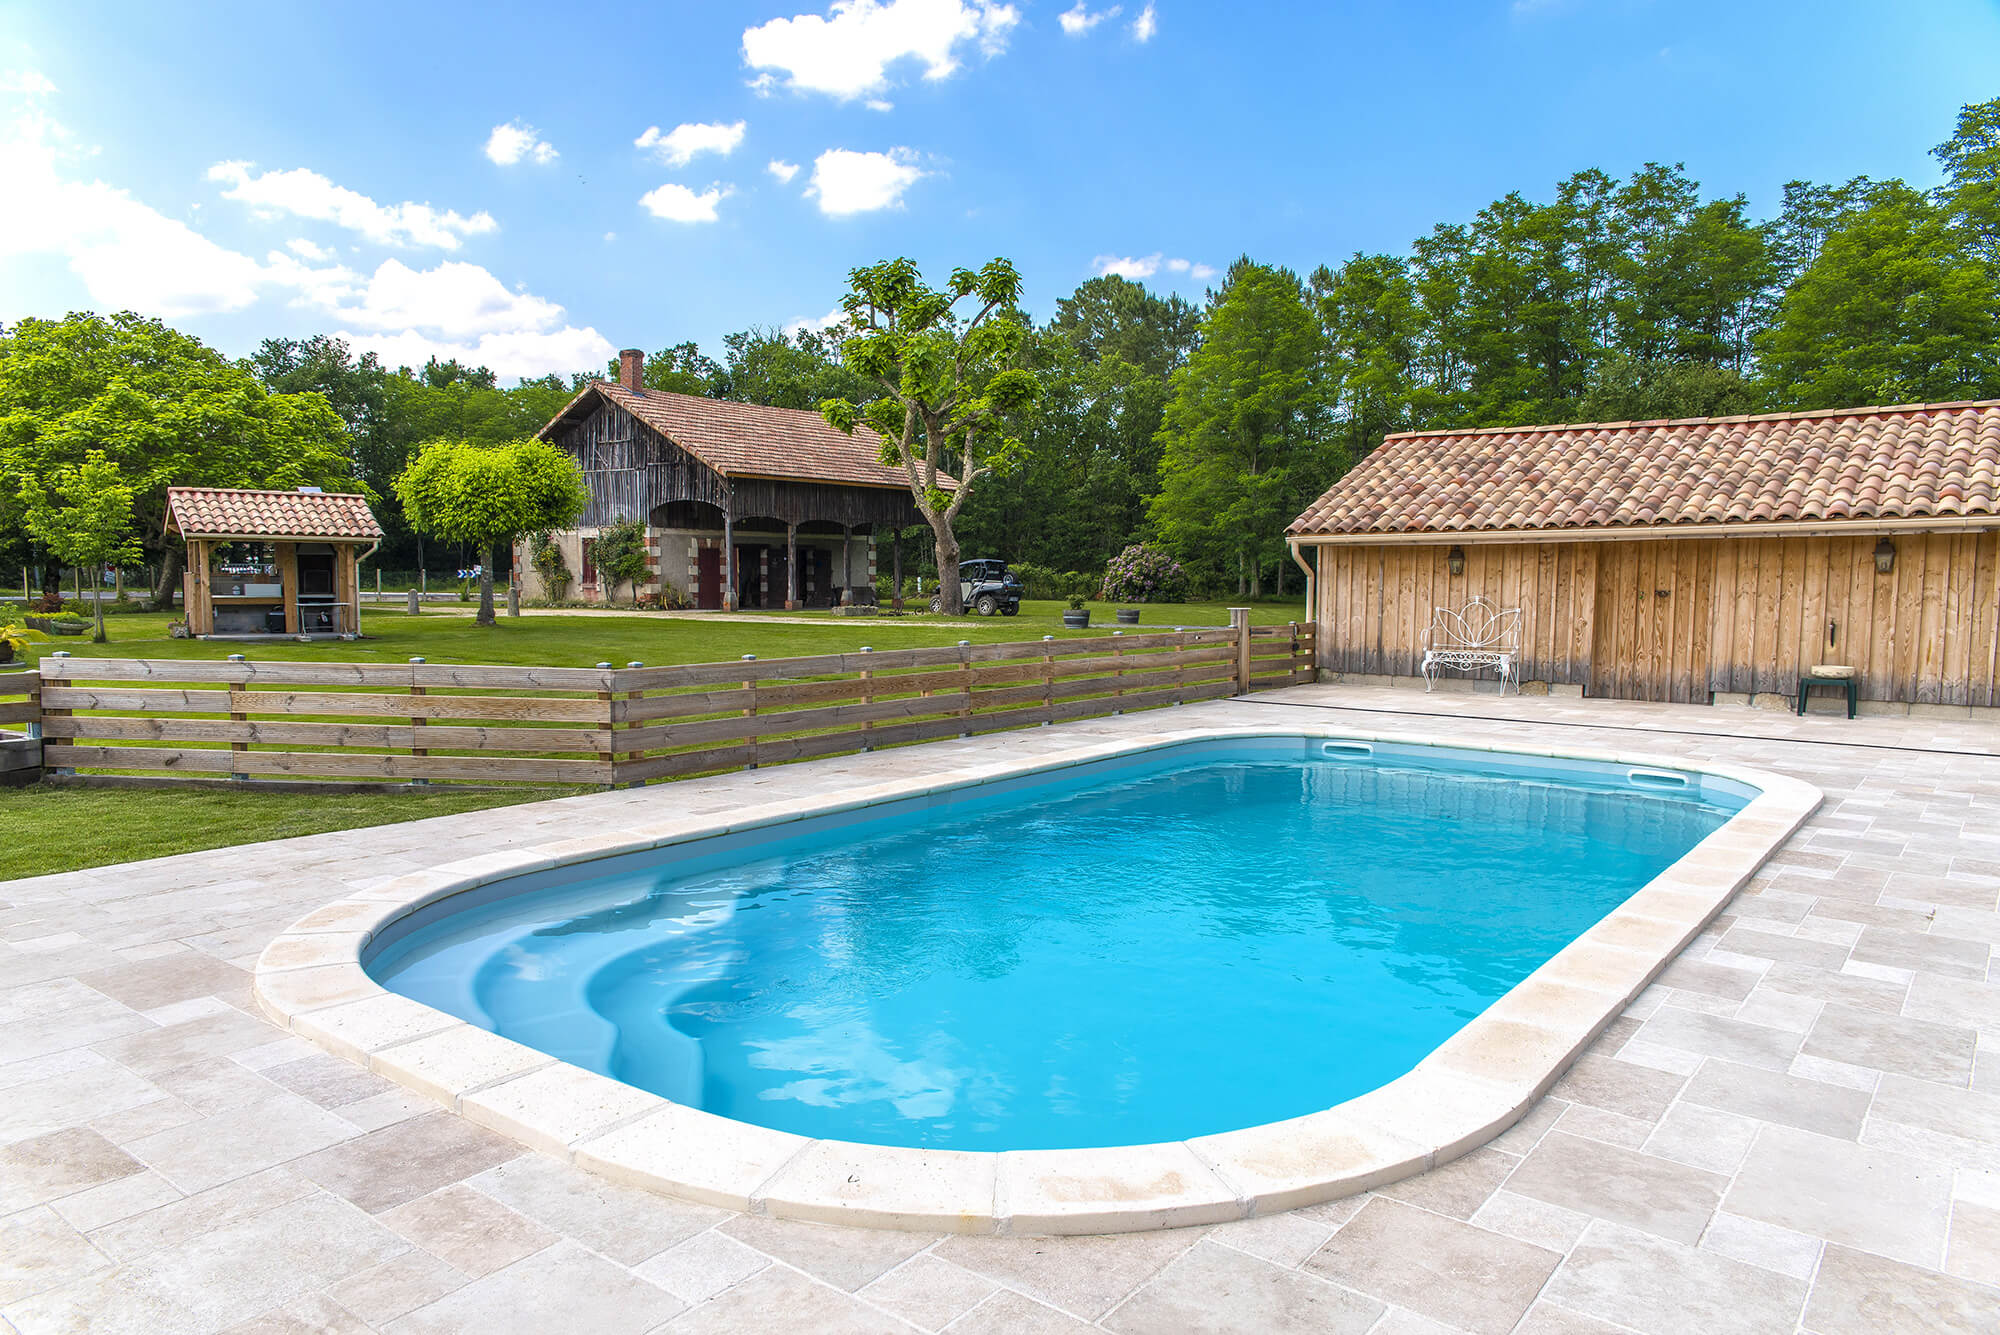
<point x="486" y="495"/>
<point x="82" y="514"/>
<point x="953" y="384"/>
<point x="1142" y="574"/>
<point x="546" y="555"/>
<point x="620" y="553"/>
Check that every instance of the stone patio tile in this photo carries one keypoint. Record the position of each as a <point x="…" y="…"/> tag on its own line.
<point x="1772" y="1096"/>
<point x="562" y="1287"/>
<point x="1545" y="1318"/>
<point x="1743" y="939"/>
<point x="1923" y="952"/>
<point x="1214" y="1289"/>
<point x="1083" y="1275"/>
<point x="385" y="1109"/>
<point x="39" y="1250"/>
<point x="45" y="1034"/>
<point x="215" y="1084"/>
<point x="707" y="1263"/>
<point x="1719" y="1036"/>
<point x="162" y="1048"/>
<point x="927" y="1292"/>
<point x="779" y="1299"/>
<point x="1954" y="1001"/>
<point x="313" y="1314"/>
<point x="400" y="1284"/>
<point x="625" y="1223"/>
<point x="1925" y="1104"/>
<point x="327" y="1080"/>
<point x="169" y="978"/>
<point x="1619" y="1086"/>
<point x="1530" y="1220"/>
<point x="64" y="1098"/>
<point x="1711" y="979"/>
<point x="1893" y="1043"/>
<point x="1973" y="1250"/>
<point x="1784" y="1250"/>
<point x="179" y="1221"/>
<point x="219" y="1278"/>
<point x="1284" y="1239"/>
<point x="1702" y="1138"/>
<point x="1642" y="1190"/>
<point x="402" y="1162"/>
<point x="468" y="1228"/>
<point x="1010" y="1313"/>
<point x="1845" y="1193"/>
<point x="1661" y="1287"/>
<point x="96" y="1207"/>
<point x="1856" y="1293"/>
<point x="47" y="1167"/>
<point x="1438" y="1267"/>
<point x="243" y="1140"/>
<point x="846" y="1258"/>
<point x="1458" y="1188"/>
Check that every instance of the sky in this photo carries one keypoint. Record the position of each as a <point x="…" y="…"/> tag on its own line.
<point x="534" y="187"/>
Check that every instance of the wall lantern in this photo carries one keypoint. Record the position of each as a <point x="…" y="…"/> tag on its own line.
<point x="1885" y="556"/>
<point x="1455" y="560"/>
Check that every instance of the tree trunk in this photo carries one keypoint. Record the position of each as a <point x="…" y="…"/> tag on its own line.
<point x="485" y="617"/>
<point x="949" y="601"/>
<point x="1240" y="583"/>
<point x="1257" y="577"/>
<point x="170" y="576"/>
<point x="51" y="586"/>
<point x="97" y="603"/>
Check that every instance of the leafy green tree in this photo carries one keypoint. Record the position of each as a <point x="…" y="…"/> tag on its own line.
<point x="680" y="369"/>
<point x="487" y="495"/>
<point x="1243" y="433"/>
<point x="546" y="555"/>
<point x="620" y="552"/>
<point x="1624" y="389"/>
<point x="799" y="370"/>
<point x="83" y="514"/>
<point x="952" y="385"/>
<point x="163" y="408"/>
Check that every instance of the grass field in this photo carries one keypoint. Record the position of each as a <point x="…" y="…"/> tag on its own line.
<point x="46" y="828"/>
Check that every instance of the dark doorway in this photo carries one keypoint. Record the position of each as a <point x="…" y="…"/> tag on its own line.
<point x="817" y="565"/>
<point x="708" y="578"/>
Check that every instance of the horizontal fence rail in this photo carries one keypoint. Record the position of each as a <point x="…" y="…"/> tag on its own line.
<point x="422" y="722"/>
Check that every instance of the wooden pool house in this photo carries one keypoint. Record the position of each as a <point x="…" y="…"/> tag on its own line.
<point x="272" y="563"/>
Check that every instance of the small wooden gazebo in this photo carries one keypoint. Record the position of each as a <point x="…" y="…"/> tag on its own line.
<point x="272" y="562"/>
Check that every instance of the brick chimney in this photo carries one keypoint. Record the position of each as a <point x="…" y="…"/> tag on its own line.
<point x="632" y="368"/>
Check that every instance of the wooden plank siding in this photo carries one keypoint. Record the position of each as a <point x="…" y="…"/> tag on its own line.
<point x="1676" y="620"/>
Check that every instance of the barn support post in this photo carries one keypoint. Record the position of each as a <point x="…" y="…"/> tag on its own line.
<point x="728" y="559"/>
<point x="847" y="565"/>
<point x="791" y="567"/>
<point x="896" y="557"/>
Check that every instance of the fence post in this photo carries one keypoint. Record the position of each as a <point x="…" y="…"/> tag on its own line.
<point x="238" y="717"/>
<point x="867" y="698"/>
<point x="1239" y="624"/>
<point x="416" y="603"/>
<point x="1118" y="673"/>
<point x="416" y="720"/>
<point x="750" y="685"/>
<point x="612" y="724"/>
<point x="965" y="671"/>
<point x="1048" y="679"/>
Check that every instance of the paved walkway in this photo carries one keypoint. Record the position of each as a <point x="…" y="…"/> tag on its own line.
<point x="1797" y="1128"/>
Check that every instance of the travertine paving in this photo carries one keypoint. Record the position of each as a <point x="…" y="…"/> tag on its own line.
<point x="1797" y="1127"/>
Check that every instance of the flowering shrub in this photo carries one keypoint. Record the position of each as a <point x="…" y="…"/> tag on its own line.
<point x="1142" y="574"/>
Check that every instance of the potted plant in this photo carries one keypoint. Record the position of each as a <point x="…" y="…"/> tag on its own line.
<point x="1078" y="616"/>
<point x="1128" y="616"/>
<point x="15" y="639"/>
<point x="63" y="623"/>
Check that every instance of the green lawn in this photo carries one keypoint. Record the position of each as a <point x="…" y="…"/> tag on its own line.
<point x="50" y="828"/>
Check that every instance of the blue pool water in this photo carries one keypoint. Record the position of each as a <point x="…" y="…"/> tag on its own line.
<point x="1183" y="943"/>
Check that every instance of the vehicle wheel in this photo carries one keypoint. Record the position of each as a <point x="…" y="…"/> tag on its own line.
<point x="937" y="602"/>
<point x="1011" y="609"/>
<point x="987" y="605"/>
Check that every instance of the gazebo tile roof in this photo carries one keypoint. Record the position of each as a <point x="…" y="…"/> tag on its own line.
<point x="227" y="512"/>
<point x="1915" y="461"/>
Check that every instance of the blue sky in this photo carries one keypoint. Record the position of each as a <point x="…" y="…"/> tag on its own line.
<point x="481" y="180"/>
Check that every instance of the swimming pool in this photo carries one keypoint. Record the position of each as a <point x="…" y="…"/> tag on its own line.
<point x="1147" y="948"/>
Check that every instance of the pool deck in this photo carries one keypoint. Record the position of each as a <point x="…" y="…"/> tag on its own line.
<point x="1797" y="1127"/>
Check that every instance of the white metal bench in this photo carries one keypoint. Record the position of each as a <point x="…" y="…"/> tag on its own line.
<point x="1478" y="635"/>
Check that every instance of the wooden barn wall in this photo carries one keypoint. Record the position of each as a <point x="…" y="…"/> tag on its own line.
<point x="632" y="470"/>
<point x="1675" y="620"/>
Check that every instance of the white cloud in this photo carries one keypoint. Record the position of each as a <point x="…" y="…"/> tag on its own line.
<point x="848" y="52"/>
<point x="525" y="354"/>
<point x="783" y="171"/>
<point x="307" y="194"/>
<point x="516" y="142"/>
<point x="308" y="250"/>
<point x="1145" y="25"/>
<point x="679" y="147"/>
<point x="1145" y="266"/>
<point x="1076" y="22"/>
<point x="32" y="83"/>
<point x="677" y="203"/>
<point x="836" y="316"/>
<point x="846" y="182"/>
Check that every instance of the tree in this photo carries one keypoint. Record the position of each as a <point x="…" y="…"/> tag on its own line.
<point x="620" y="553"/>
<point x="487" y="495"/>
<point x="951" y="383"/>
<point x="1243" y="432"/>
<point x="83" y="514"/>
<point x="799" y="370"/>
<point x="162" y="407"/>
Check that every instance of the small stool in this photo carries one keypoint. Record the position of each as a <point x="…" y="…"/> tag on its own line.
<point x="1848" y="682"/>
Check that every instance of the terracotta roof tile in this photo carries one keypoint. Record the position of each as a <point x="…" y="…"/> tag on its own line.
<point x="202" y="512"/>
<point x="749" y="440"/>
<point x="1918" y="461"/>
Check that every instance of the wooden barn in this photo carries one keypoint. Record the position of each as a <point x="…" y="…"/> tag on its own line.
<point x="1706" y="560"/>
<point x="744" y="506"/>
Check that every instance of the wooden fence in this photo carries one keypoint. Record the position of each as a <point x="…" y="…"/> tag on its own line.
<point x="419" y="722"/>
